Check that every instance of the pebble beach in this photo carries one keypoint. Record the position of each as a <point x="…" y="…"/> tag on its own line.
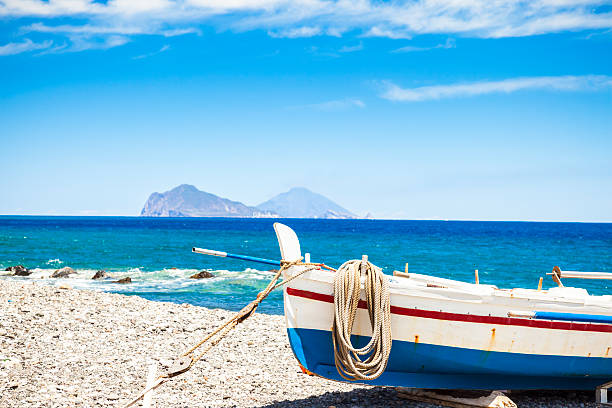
<point x="61" y="347"/>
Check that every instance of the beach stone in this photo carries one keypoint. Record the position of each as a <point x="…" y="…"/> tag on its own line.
<point x="100" y="275"/>
<point x="19" y="270"/>
<point x="63" y="273"/>
<point x="202" y="275"/>
<point x="123" y="280"/>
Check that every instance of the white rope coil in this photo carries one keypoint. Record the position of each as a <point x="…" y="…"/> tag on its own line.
<point x="370" y="361"/>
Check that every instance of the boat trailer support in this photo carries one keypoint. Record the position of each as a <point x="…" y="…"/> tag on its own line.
<point x="601" y="394"/>
<point x="457" y="398"/>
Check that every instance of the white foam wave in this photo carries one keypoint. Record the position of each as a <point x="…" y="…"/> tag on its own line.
<point x="163" y="280"/>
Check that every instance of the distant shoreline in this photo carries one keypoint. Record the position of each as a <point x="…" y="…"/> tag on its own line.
<point x="295" y="218"/>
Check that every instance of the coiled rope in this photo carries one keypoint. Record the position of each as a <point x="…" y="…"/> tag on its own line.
<point x="370" y="361"/>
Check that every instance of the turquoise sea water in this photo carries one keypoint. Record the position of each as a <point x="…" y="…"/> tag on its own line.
<point x="156" y="252"/>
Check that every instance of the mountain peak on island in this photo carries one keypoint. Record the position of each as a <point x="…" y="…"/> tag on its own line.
<point x="299" y="202"/>
<point x="185" y="187"/>
<point x="187" y="201"/>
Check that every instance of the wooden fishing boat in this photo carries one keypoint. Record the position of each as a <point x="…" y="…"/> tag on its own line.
<point x="455" y="335"/>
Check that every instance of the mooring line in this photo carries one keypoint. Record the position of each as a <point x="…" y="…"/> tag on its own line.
<point x="186" y="361"/>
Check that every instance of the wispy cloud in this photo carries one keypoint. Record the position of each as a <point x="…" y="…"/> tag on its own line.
<point x="450" y="43"/>
<point x="102" y="29"/>
<point x="80" y="43"/>
<point x="180" y="31"/>
<point x="352" y="48"/>
<point x="324" y="53"/>
<point x="298" y="32"/>
<point x="88" y="29"/>
<point x="99" y="36"/>
<point x="335" y="105"/>
<point x="554" y="83"/>
<point x="150" y="54"/>
<point x="394" y="33"/>
<point x="402" y="19"/>
<point x="23" y="46"/>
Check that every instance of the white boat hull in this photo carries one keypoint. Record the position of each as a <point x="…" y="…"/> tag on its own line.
<point x="449" y="334"/>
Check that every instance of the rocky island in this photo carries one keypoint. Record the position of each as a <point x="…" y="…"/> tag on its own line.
<point x="187" y="201"/>
<point x="299" y="202"/>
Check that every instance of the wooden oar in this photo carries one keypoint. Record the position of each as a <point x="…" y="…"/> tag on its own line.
<point x="585" y="275"/>
<point x="579" y="275"/>
<point x="572" y="317"/>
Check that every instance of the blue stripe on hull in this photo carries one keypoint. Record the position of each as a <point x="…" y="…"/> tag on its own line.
<point x="421" y="365"/>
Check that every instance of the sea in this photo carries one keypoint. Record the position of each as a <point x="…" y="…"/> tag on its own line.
<point x="156" y="252"/>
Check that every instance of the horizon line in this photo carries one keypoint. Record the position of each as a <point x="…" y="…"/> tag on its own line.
<point x="308" y="218"/>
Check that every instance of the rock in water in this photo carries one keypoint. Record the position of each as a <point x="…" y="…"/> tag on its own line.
<point x="202" y="275"/>
<point x="63" y="273"/>
<point x="100" y="275"/>
<point x="19" y="270"/>
<point x="124" y="280"/>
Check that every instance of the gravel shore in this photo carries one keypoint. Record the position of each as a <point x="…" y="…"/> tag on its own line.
<point x="67" y="348"/>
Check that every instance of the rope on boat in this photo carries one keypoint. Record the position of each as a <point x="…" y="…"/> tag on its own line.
<point x="188" y="359"/>
<point x="347" y="288"/>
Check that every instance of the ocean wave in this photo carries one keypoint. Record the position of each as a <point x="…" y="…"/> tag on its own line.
<point x="163" y="280"/>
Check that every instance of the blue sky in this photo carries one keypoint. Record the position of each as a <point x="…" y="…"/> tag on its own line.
<point x="420" y="110"/>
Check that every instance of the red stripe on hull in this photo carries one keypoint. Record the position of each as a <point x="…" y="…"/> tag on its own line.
<point x="457" y="317"/>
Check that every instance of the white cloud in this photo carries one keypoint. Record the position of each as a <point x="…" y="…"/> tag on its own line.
<point x="99" y="36"/>
<point x="554" y="83"/>
<point x="24" y="46"/>
<point x="386" y="32"/>
<point x="104" y="43"/>
<point x="82" y="29"/>
<point x="401" y="19"/>
<point x="92" y="29"/>
<point x="335" y="32"/>
<point x="298" y="32"/>
<point x="80" y="43"/>
<point x="335" y="105"/>
<point x="450" y="43"/>
<point x="180" y="31"/>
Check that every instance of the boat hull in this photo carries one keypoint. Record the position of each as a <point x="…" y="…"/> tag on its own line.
<point x="456" y="342"/>
<point x="449" y="334"/>
<point x="420" y="365"/>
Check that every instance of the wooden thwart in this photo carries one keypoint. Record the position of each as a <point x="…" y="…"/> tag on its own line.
<point x="401" y="274"/>
<point x="495" y="400"/>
